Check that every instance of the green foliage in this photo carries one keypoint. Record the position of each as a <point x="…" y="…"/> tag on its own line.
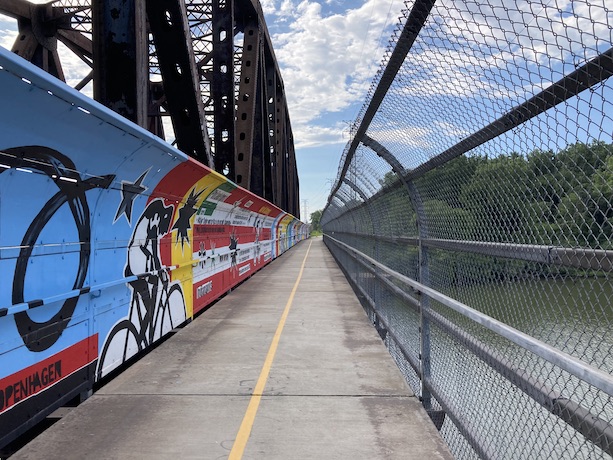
<point x="447" y="222"/>
<point x="316" y="222"/>
<point x="446" y="180"/>
<point x="497" y="194"/>
<point x="546" y="198"/>
<point x="395" y="214"/>
<point x="389" y="179"/>
<point x="563" y="199"/>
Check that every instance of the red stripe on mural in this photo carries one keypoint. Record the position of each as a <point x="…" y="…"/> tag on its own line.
<point x="42" y="375"/>
<point x="207" y="290"/>
<point x="173" y="188"/>
<point x="253" y="203"/>
<point x="166" y="247"/>
<point x="177" y="182"/>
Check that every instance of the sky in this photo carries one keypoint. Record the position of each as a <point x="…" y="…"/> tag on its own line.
<point x="328" y="52"/>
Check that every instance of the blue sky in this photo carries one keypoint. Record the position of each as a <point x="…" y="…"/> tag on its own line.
<point x="328" y="53"/>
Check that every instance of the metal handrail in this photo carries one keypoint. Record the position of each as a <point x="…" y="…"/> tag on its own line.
<point x="574" y="366"/>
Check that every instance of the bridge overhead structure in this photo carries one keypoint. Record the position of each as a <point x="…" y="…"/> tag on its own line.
<point x="207" y="65"/>
<point x="473" y="212"/>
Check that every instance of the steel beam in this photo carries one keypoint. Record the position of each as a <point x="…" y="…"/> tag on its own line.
<point x="78" y="43"/>
<point x="247" y="105"/>
<point x="222" y="87"/>
<point x="258" y="162"/>
<point x="37" y="39"/>
<point x="279" y="157"/>
<point x="121" y="71"/>
<point x="272" y="172"/>
<point x="293" y="205"/>
<point x="193" y="48"/>
<point x="261" y="170"/>
<point x="270" y="135"/>
<point x="180" y="77"/>
<point x="157" y="100"/>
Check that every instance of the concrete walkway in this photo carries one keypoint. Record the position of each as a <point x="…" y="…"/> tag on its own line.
<point x="332" y="392"/>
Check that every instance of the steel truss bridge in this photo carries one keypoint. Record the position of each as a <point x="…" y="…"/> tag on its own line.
<point x="207" y="65"/>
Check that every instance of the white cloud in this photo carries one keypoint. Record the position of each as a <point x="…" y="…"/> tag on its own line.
<point x="327" y="61"/>
<point x="268" y="6"/>
<point x="281" y="10"/>
<point x="8" y="31"/>
<point x="328" y="56"/>
<point x="313" y="135"/>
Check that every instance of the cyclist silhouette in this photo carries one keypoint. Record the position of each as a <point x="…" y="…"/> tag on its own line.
<point x="157" y="306"/>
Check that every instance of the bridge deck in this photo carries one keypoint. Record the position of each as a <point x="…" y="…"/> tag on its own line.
<point x="332" y="390"/>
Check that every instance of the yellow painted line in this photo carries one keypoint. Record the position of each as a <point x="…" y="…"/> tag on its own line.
<point x="245" y="429"/>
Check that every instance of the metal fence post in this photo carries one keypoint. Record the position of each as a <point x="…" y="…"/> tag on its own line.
<point x="424" y="274"/>
<point x="424" y="301"/>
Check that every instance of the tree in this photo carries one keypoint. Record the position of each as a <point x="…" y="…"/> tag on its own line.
<point x="499" y="199"/>
<point x="390" y="178"/>
<point x="315" y="221"/>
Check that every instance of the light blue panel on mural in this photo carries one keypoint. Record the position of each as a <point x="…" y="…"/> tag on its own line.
<point x="65" y="164"/>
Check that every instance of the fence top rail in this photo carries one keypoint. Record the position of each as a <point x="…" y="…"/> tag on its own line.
<point x="586" y="258"/>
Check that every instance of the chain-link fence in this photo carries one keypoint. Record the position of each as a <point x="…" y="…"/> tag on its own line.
<point x="473" y="212"/>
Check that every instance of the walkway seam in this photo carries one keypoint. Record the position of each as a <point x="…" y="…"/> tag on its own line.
<point x="232" y="395"/>
<point x="238" y="448"/>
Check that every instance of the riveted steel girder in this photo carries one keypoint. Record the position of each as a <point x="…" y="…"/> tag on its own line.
<point x="248" y="103"/>
<point x="290" y="199"/>
<point x="259" y="168"/>
<point x="279" y="155"/>
<point x="121" y="72"/>
<point x="177" y="64"/>
<point x="293" y="205"/>
<point x="222" y="86"/>
<point x="38" y="27"/>
<point x="270" y="134"/>
<point x="220" y="81"/>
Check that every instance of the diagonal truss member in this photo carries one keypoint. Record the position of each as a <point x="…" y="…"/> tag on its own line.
<point x="220" y="82"/>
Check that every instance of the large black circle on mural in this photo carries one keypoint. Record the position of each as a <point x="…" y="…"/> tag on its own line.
<point x="39" y="336"/>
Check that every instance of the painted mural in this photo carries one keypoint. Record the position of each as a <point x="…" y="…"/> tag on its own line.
<point x="109" y="239"/>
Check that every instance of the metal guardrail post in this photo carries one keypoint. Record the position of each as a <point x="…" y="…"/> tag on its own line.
<point x="375" y="293"/>
<point x="369" y="210"/>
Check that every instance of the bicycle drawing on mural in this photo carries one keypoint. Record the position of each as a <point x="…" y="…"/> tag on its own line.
<point x="71" y="191"/>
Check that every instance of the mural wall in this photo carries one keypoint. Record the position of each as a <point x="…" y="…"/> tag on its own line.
<point x="109" y="239"/>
